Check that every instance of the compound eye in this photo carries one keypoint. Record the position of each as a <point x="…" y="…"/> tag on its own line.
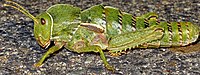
<point x="43" y="21"/>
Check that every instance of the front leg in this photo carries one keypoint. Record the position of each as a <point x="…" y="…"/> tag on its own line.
<point x="50" y="51"/>
<point x="134" y="39"/>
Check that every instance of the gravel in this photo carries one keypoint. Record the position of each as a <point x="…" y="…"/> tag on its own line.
<point x="19" y="50"/>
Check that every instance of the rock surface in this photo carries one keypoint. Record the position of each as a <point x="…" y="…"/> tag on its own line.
<point x="19" y="50"/>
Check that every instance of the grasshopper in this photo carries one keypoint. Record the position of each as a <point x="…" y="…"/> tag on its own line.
<point x="100" y="28"/>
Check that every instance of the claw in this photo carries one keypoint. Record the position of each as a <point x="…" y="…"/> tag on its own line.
<point x="109" y="68"/>
<point x="115" y="54"/>
<point x="37" y="64"/>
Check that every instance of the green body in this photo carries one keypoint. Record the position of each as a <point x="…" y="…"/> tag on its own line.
<point x="84" y="29"/>
<point x="106" y="28"/>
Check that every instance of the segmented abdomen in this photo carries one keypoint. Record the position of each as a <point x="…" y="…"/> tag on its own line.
<point x="116" y="22"/>
<point x="176" y="34"/>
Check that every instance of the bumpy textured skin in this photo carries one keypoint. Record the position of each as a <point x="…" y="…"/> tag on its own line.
<point x="106" y="28"/>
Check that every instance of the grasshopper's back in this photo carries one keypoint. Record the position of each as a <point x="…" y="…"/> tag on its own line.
<point x="116" y="22"/>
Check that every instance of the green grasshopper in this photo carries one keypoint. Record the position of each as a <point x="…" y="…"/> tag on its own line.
<point x="101" y="28"/>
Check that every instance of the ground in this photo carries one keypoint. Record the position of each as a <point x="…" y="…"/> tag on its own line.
<point x="19" y="49"/>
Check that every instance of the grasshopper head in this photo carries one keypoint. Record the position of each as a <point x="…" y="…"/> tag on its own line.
<point x="42" y="24"/>
<point x="43" y="29"/>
